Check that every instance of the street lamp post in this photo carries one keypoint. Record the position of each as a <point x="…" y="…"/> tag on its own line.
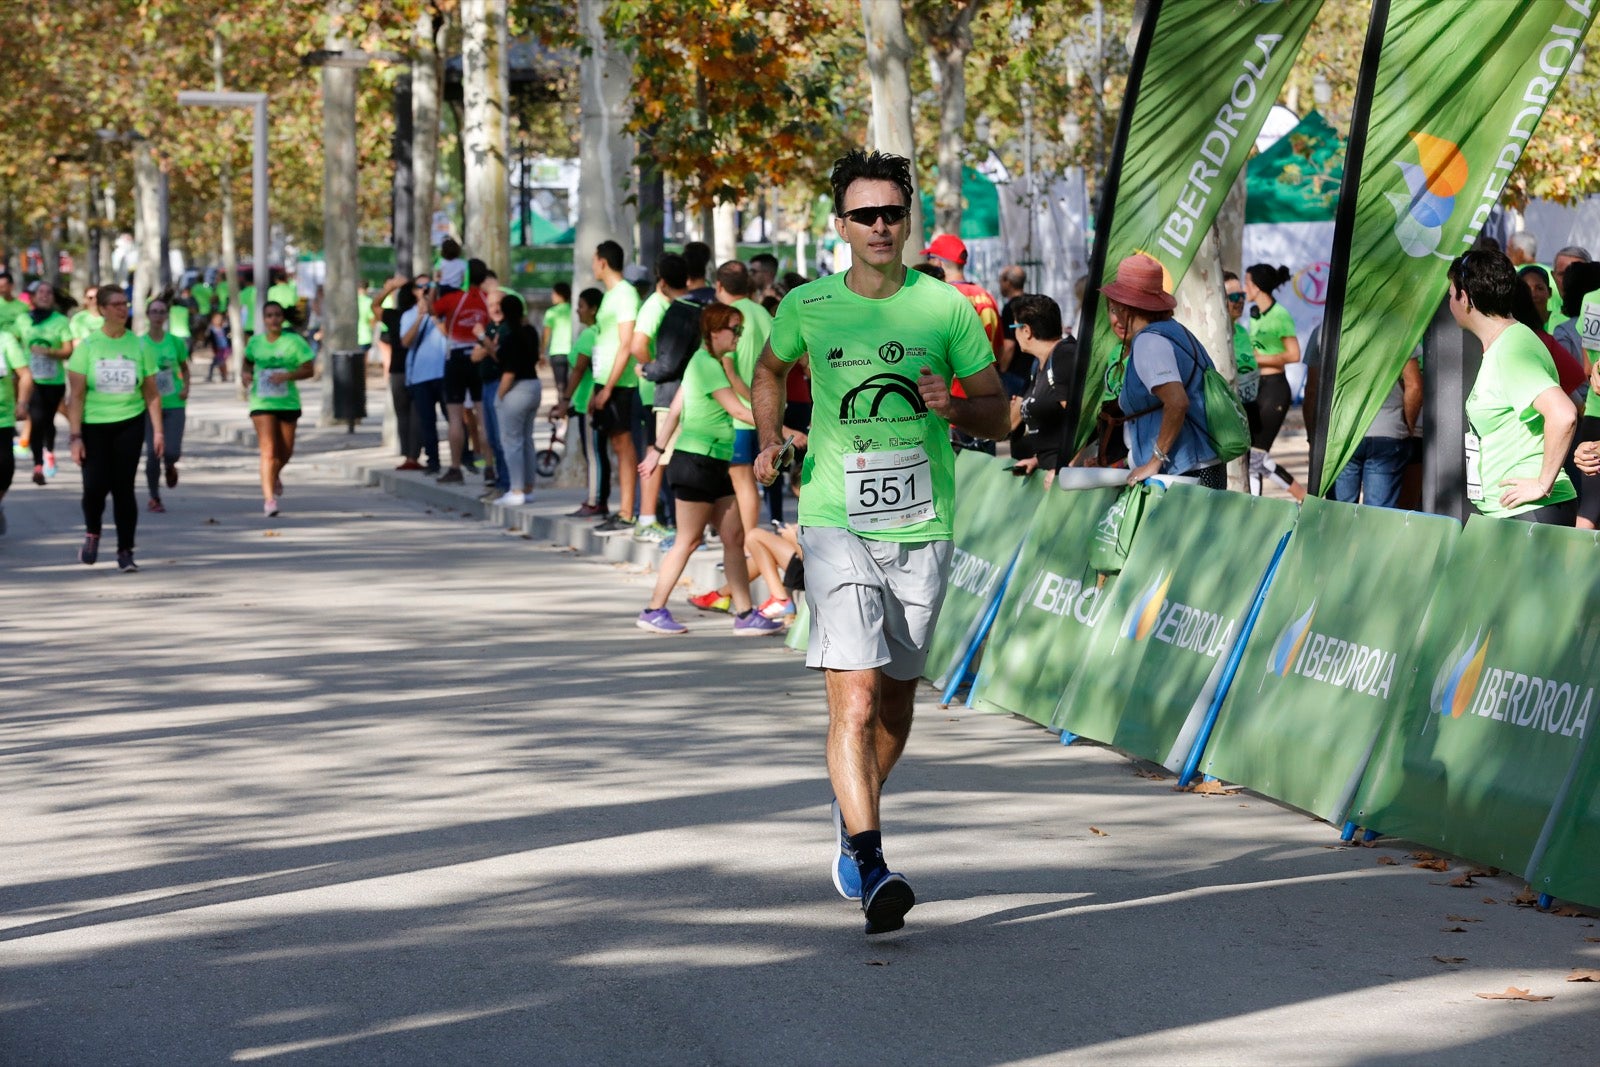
<point x="258" y="178"/>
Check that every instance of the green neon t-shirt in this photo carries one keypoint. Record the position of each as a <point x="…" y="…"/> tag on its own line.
<point x="364" y="318"/>
<point x="114" y="370"/>
<point x="1589" y="337"/>
<point x="288" y="352"/>
<point x="651" y="312"/>
<point x="705" y="427"/>
<point x="178" y="321"/>
<point x="12" y="360"/>
<point x="619" y="305"/>
<point x="1510" y="431"/>
<point x="584" y="346"/>
<point x="247" y="308"/>
<point x="558" y="320"/>
<point x="204" y="298"/>
<point x="11" y="313"/>
<point x="1268" y="333"/>
<point x="53" y="332"/>
<point x="1244" y="351"/>
<point x="171" y="353"/>
<point x="872" y="436"/>
<point x="284" y="293"/>
<point x="757" y="328"/>
<point x="83" y="324"/>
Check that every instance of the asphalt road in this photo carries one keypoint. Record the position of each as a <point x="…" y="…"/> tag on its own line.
<point x="372" y="784"/>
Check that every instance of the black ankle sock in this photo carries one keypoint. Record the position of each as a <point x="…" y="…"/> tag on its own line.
<point x="868" y="847"/>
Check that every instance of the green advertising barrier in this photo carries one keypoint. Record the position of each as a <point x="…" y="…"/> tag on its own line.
<point x="1049" y="611"/>
<point x="1497" y="725"/>
<point x="993" y="510"/>
<point x="1153" y="666"/>
<point x="1566" y="864"/>
<point x="1331" y="656"/>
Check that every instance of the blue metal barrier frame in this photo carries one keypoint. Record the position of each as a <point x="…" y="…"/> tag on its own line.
<point x="963" y="674"/>
<point x="1232" y="667"/>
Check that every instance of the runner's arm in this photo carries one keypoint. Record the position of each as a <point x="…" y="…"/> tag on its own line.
<point x="152" y="407"/>
<point x="574" y="376"/>
<point x="24" y="390"/>
<point x="1560" y="425"/>
<point x="77" y="384"/>
<point x="733" y="404"/>
<point x="983" y="412"/>
<point x="766" y="404"/>
<point x="1411" y="393"/>
<point x="183" y="378"/>
<point x="624" y="344"/>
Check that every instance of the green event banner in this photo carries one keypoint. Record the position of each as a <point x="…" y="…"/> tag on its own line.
<point x="1499" y="726"/>
<point x="993" y="510"/>
<point x="1154" y="665"/>
<point x="1203" y="90"/>
<point x="1458" y="90"/>
<point x="1049" y="611"/>
<point x="1332" y="654"/>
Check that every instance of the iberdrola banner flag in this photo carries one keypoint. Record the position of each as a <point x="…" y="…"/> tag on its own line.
<point x="1204" y="76"/>
<point x="1457" y="90"/>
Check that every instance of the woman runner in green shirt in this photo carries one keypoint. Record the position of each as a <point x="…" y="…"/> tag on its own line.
<point x="273" y="361"/>
<point x="703" y="411"/>
<point x="1272" y="335"/>
<point x="172" y="381"/>
<point x="47" y="338"/>
<point x="112" y="373"/>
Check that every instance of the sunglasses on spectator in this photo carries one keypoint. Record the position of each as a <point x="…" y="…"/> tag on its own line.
<point x="1235" y="298"/>
<point x="737" y="331"/>
<point x="892" y="214"/>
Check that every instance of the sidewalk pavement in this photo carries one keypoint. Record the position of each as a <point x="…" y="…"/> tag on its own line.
<point x="369" y="784"/>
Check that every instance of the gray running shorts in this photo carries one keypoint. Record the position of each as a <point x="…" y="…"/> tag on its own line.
<point x="873" y="603"/>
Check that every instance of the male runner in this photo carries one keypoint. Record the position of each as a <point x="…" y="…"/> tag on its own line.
<point x="879" y="490"/>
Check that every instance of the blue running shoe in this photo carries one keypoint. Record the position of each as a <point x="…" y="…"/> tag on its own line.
<point x="886" y="902"/>
<point x="846" y="875"/>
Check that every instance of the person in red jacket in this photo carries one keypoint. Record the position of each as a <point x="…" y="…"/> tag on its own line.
<point x="460" y="314"/>
<point x="949" y="254"/>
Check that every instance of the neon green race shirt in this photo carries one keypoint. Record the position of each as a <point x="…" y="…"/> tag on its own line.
<point x="85" y="323"/>
<point x="12" y="359"/>
<point x="178" y="321"/>
<point x="1267" y="334"/>
<point x="114" y="370"/>
<point x="757" y="328"/>
<point x="619" y="305"/>
<point x="204" y="298"/>
<point x="1509" y="431"/>
<point x="12" y="312"/>
<point x="1589" y="337"/>
<point x="704" y="425"/>
<point x="879" y="462"/>
<point x="288" y="352"/>
<point x="171" y="353"/>
<point x="558" y="320"/>
<point x="651" y="312"/>
<point x="584" y="390"/>
<point x="53" y="332"/>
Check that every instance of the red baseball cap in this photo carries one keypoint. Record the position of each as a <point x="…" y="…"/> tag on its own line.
<point x="948" y="247"/>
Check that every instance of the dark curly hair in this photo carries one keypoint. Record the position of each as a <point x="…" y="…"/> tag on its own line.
<point x="873" y="166"/>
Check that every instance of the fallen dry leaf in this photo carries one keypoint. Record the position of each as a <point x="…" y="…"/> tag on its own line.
<point x="1433" y="865"/>
<point x="1453" y="930"/>
<point x="1423" y="856"/>
<point x="1490" y="900"/>
<point x="1511" y="993"/>
<point x="270" y="533"/>
<point x="877" y="963"/>
<point x="1483" y="872"/>
<point x="1593" y="940"/>
<point x="1462" y="881"/>
<point x="1584" y="974"/>
<point x="1154" y="776"/>
<point x="211" y="522"/>
<point x="1570" y="911"/>
<point x="1451" y="959"/>
<point x="1461" y="919"/>
<point x="1364" y="843"/>
<point x="1388" y="861"/>
<point x="1096" y="831"/>
<point x="1526" y="899"/>
<point x="1213" y="789"/>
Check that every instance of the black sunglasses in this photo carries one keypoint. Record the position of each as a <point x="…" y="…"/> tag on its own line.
<point x="869" y="216"/>
<point x="1235" y="298"/>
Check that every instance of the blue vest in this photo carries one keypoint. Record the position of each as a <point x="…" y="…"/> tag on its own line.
<point x="1193" y="448"/>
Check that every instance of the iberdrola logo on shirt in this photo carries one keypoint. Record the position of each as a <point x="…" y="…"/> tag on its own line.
<point x="882" y="397"/>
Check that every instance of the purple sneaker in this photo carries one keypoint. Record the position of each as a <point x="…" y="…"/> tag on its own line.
<point x="754" y="624"/>
<point x="660" y="621"/>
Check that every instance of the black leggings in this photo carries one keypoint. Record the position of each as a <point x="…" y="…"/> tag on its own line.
<point x="1269" y="409"/>
<point x="111" y="454"/>
<point x="8" y="459"/>
<point x="1589" y="484"/>
<point x="42" y="405"/>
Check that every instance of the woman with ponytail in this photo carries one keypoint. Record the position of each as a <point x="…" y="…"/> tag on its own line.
<point x="1272" y="335"/>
